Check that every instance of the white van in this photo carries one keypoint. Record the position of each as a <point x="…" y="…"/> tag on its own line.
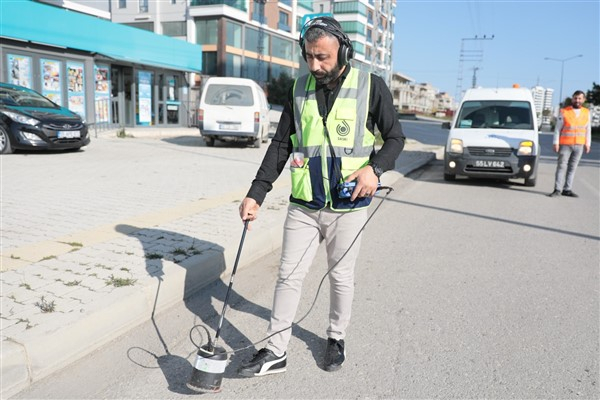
<point x="233" y="109"/>
<point x="494" y="134"/>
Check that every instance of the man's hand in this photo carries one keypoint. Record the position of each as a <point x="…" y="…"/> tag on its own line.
<point x="556" y="147"/>
<point x="249" y="210"/>
<point x="587" y="148"/>
<point x="366" y="182"/>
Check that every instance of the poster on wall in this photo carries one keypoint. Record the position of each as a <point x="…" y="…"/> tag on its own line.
<point x="102" y="95"/>
<point x="75" y="88"/>
<point x="19" y="70"/>
<point x="145" y="98"/>
<point x="51" y="81"/>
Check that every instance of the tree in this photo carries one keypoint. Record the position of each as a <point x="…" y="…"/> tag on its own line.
<point x="278" y="89"/>
<point x="593" y="96"/>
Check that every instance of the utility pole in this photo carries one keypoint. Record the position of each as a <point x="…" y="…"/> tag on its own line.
<point x="470" y="55"/>
<point x="260" y="48"/>
<point x="475" y="69"/>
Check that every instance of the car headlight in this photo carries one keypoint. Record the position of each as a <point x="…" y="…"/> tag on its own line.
<point x="456" y="146"/>
<point x="525" y="148"/>
<point x="20" y="118"/>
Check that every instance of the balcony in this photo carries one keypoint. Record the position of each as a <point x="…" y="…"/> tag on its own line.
<point x="239" y="4"/>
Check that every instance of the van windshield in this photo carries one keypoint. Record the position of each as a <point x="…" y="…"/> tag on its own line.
<point x="229" y="95"/>
<point x="495" y="115"/>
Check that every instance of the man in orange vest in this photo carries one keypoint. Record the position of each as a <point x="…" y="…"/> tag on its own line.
<point x="573" y="134"/>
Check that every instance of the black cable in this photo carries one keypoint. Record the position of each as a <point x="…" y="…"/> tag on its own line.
<point x="389" y="190"/>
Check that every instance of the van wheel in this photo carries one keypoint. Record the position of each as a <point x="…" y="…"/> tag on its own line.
<point x="265" y="137"/>
<point x="257" y="143"/>
<point x="530" y="181"/>
<point x="210" y="142"/>
<point x="449" y="177"/>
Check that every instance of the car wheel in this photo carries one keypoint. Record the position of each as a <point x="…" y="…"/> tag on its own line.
<point x="5" y="147"/>
<point x="449" y="177"/>
<point x="257" y="142"/>
<point x="210" y="142"/>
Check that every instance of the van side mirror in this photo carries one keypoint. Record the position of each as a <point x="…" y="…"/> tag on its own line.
<point x="445" y="125"/>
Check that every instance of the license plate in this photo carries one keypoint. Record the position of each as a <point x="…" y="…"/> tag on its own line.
<point x="68" y="134"/>
<point x="229" y="127"/>
<point x="489" y="164"/>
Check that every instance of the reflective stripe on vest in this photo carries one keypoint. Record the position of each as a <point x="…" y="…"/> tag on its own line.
<point x="347" y="127"/>
<point x="574" y="127"/>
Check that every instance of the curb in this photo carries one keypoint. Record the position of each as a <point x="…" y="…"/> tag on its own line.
<point x="37" y="356"/>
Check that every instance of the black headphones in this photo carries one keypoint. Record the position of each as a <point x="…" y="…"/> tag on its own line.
<point x="329" y="25"/>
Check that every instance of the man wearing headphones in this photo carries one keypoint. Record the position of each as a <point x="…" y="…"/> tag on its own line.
<point x="328" y="129"/>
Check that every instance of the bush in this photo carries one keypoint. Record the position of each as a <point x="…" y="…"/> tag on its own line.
<point x="279" y="88"/>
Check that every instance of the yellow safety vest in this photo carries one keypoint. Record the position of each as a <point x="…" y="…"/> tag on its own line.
<point x="574" y="127"/>
<point x="314" y="185"/>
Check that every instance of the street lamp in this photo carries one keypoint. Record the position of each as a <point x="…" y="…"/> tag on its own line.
<point x="562" y="70"/>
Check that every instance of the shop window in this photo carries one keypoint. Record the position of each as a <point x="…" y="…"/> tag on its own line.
<point x="51" y="71"/>
<point x="143" y="6"/>
<point x="251" y="41"/>
<point x="209" y="63"/>
<point x="206" y="31"/>
<point x="145" y="100"/>
<point x="284" y="21"/>
<point x="20" y="70"/>
<point x="233" y="66"/>
<point x="251" y="69"/>
<point x="234" y="35"/>
<point x="76" y="87"/>
<point x="146" y="26"/>
<point x="282" y="48"/>
<point x="122" y="3"/>
<point x="177" y="28"/>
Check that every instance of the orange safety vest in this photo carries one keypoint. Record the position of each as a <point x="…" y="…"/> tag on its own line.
<point x="574" y="128"/>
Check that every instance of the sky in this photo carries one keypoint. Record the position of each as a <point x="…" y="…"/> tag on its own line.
<point x="429" y="34"/>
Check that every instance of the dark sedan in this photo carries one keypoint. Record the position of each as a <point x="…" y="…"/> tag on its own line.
<point x="29" y="121"/>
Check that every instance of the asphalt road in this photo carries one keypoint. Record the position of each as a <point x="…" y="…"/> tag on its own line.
<point x="470" y="289"/>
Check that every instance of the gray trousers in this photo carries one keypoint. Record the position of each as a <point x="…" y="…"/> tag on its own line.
<point x="568" y="159"/>
<point x="303" y="231"/>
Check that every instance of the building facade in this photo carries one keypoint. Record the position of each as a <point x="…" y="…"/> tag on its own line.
<point x="419" y="98"/>
<point x="256" y="39"/>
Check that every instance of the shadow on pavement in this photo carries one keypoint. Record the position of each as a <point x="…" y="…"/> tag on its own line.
<point x="185" y="251"/>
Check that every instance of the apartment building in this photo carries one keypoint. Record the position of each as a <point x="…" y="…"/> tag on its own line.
<point x="419" y="98"/>
<point x="258" y="39"/>
<point x="542" y="99"/>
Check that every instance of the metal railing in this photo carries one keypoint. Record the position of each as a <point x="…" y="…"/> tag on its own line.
<point x="106" y="115"/>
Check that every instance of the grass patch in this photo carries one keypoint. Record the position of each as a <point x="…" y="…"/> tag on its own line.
<point x="154" y="256"/>
<point x="48" y="258"/>
<point x="73" y="244"/>
<point x="179" y="252"/>
<point x="119" y="282"/>
<point x="25" y="285"/>
<point x="45" y="305"/>
<point x="15" y="257"/>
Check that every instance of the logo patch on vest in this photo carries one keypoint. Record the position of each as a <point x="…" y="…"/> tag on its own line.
<point x="343" y="129"/>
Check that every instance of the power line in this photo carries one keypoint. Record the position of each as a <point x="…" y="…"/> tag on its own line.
<point x="468" y="55"/>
